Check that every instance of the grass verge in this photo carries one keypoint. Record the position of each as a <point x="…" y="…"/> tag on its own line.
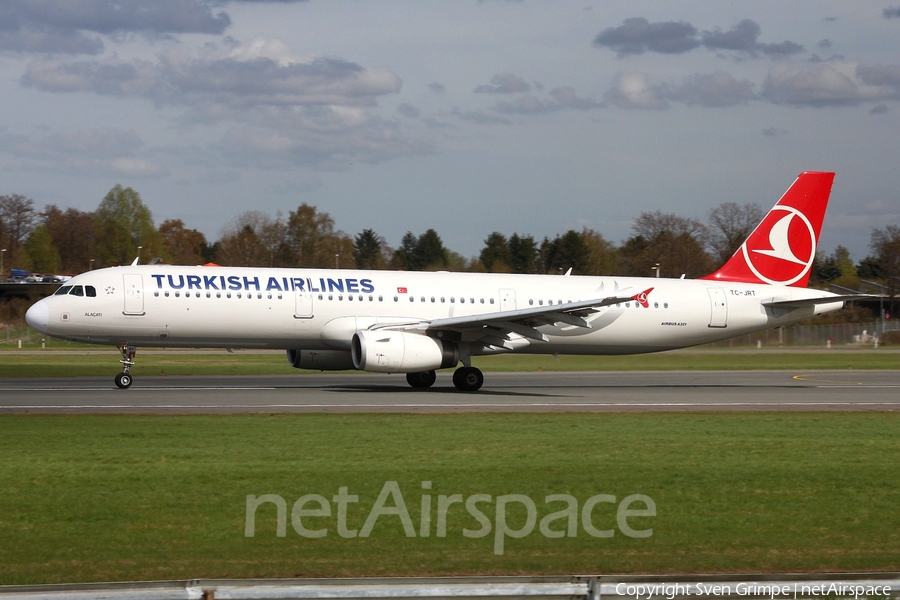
<point x="90" y="498"/>
<point x="105" y="363"/>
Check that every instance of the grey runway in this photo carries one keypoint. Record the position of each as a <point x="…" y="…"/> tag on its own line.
<point x="503" y="392"/>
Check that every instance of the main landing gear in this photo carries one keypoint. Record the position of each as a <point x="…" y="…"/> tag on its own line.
<point x="466" y="379"/>
<point x="123" y="379"/>
<point x="424" y="379"/>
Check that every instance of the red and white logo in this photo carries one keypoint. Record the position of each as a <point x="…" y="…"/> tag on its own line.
<point x="642" y="298"/>
<point x="402" y="290"/>
<point x="782" y="249"/>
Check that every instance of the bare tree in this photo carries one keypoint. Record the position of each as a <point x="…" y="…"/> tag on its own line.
<point x="73" y="235"/>
<point x="885" y="245"/>
<point x="729" y="225"/>
<point x="185" y="246"/>
<point x="253" y="239"/>
<point x="672" y="242"/>
<point x="16" y="219"/>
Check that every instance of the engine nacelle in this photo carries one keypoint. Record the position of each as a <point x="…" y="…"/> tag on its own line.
<point x="320" y="360"/>
<point x="399" y="352"/>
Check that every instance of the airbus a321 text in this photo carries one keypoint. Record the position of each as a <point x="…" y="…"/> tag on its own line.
<point x="417" y="322"/>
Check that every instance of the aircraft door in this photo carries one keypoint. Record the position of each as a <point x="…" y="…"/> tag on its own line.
<point x="718" y="316"/>
<point x="134" y="294"/>
<point x="507" y="299"/>
<point x="303" y="305"/>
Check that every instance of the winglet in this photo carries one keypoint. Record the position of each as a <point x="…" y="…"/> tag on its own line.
<point x="781" y="249"/>
<point x="642" y="298"/>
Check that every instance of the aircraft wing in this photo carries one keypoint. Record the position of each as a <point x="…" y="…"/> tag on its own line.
<point x="806" y="302"/>
<point x="493" y="329"/>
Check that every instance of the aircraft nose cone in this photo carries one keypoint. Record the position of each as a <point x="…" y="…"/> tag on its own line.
<point x="38" y="316"/>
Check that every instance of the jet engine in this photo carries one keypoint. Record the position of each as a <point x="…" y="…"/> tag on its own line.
<point x="320" y="360"/>
<point x="399" y="352"/>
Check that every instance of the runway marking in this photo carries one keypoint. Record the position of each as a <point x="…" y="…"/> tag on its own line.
<point x="829" y="383"/>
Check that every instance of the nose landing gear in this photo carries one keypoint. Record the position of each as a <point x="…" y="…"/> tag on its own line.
<point x="123" y="379"/>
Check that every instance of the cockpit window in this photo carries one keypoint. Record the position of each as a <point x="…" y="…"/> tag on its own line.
<point x="77" y="290"/>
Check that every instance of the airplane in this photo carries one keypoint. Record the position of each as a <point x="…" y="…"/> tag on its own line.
<point x="419" y="322"/>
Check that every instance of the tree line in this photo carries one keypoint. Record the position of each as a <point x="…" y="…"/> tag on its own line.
<point x="57" y="240"/>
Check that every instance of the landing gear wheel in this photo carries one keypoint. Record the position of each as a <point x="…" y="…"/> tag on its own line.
<point x="425" y="379"/>
<point x="468" y="379"/>
<point x="123" y="381"/>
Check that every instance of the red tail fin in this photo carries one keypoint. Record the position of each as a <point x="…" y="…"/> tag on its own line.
<point x="781" y="249"/>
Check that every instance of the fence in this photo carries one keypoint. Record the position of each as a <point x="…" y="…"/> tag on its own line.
<point x="845" y="586"/>
<point x="842" y="334"/>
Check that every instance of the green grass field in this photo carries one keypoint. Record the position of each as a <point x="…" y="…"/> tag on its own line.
<point x="90" y="498"/>
<point x="103" y="362"/>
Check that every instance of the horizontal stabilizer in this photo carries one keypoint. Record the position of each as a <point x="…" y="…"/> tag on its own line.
<point x="806" y="302"/>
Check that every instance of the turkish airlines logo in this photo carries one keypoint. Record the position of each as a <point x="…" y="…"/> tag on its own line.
<point x="642" y="298"/>
<point x="783" y="247"/>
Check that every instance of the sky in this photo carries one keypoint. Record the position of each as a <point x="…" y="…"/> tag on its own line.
<point x="468" y="117"/>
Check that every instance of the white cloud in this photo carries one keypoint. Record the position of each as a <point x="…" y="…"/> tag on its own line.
<point x="823" y="84"/>
<point x="632" y="90"/>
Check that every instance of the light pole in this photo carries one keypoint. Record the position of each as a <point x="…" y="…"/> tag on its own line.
<point x="2" y="255"/>
<point x="139" y="254"/>
<point x="92" y="264"/>
<point x="656" y="268"/>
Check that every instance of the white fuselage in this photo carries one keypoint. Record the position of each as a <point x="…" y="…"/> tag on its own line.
<point x="159" y="305"/>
